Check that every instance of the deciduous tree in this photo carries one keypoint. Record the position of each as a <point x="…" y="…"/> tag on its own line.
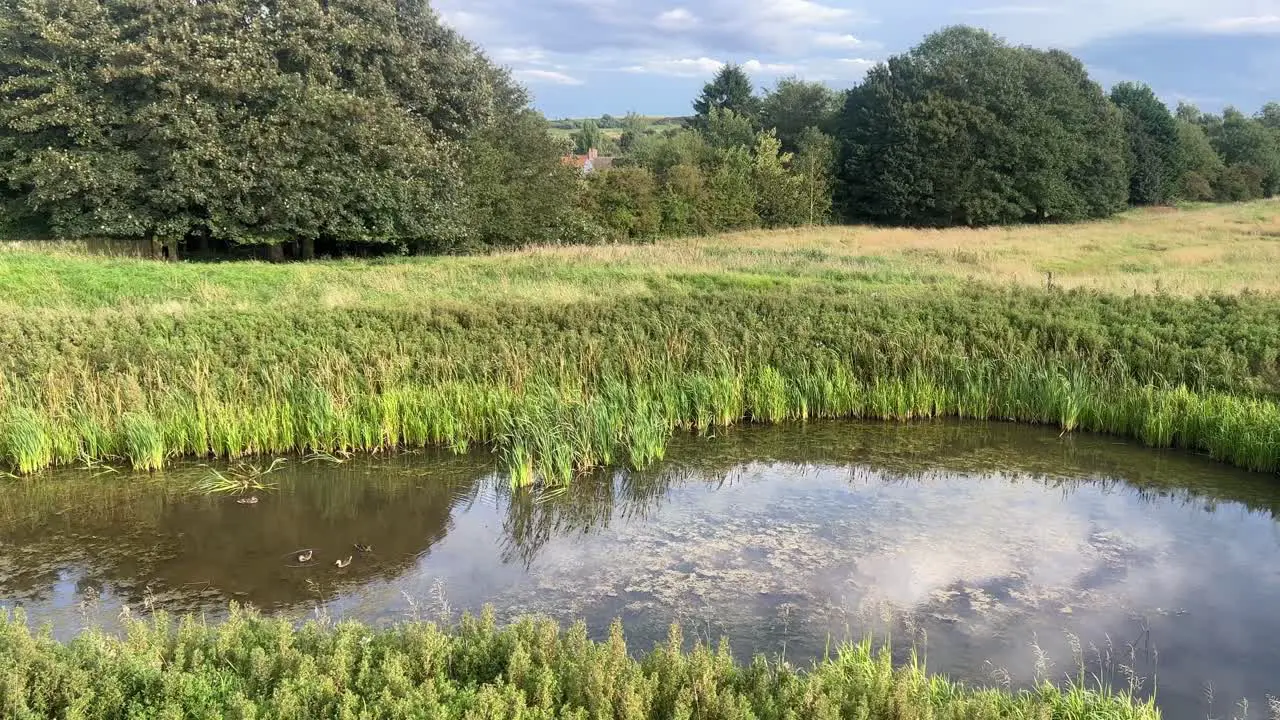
<point x="346" y="121"/>
<point x="965" y="129"/>
<point x="1154" y="161"/>
<point x="793" y="106"/>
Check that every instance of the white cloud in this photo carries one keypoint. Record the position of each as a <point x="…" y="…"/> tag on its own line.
<point x="520" y="55"/>
<point x="796" y="12"/>
<point x="1015" y="10"/>
<point x="779" y="25"/>
<point x="532" y="75"/>
<point x="678" y="67"/>
<point x="467" y="23"/>
<point x="840" y="71"/>
<point x="1083" y="21"/>
<point x="836" y="40"/>
<point x="763" y="68"/>
<point x="1246" y="23"/>
<point x="677" y="19"/>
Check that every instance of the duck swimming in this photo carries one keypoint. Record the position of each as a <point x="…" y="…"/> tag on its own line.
<point x="251" y="500"/>
<point x="363" y="548"/>
<point x="343" y="563"/>
<point x="304" y="556"/>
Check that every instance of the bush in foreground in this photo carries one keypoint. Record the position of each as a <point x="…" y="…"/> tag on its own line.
<point x="252" y="667"/>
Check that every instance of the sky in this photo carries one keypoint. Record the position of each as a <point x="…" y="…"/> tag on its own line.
<point x="584" y="58"/>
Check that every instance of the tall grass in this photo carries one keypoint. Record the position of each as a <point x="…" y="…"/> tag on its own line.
<point x="24" y="441"/>
<point x="550" y="431"/>
<point x="559" y="390"/>
<point x="564" y="362"/>
<point x="252" y="667"/>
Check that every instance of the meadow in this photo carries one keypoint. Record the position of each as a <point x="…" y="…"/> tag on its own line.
<point x="1159" y="325"/>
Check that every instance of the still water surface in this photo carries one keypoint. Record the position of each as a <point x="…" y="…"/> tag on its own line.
<point x="974" y="541"/>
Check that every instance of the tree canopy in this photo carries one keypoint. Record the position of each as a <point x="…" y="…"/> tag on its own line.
<point x="587" y="137"/>
<point x="965" y="129"/>
<point x="1250" y="149"/>
<point x="1155" y="166"/>
<point x="246" y="121"/>
<point x="730" y="89"/>
<point x="353" y="125"/>
<point x="793" y="106"/>
<point x="1202" y="167"/>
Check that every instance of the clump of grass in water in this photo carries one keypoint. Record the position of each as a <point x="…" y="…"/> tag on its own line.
<point x="24" y="441"/>
<point x="532" y="668"/>
<point x="142" y="442"/>
<point x="239" y="479"/>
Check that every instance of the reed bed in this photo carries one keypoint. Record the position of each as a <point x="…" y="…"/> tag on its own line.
<point x="252" y="667"/>
<point x="555" y="391"/>
<point x="551" y="432"/>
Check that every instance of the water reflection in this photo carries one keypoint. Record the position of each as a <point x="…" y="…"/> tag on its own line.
<point x="984" y="538"/>
<point x="152" y="540"/>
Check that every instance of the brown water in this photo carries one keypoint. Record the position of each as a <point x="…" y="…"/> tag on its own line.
<point x="974" y="541"/>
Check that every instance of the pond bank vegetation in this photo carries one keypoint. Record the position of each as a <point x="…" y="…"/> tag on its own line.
<point x="252" y="667"/>
<point x="556" y="387"/>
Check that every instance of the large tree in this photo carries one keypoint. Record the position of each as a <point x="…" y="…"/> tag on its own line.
<point x="518" y="191"/>
<point x="1269" y="116"/>
<point x="780" y="193"/>
<point x="793" y="106"/>
<point x="1154" y="162"/>
<point x="730" y="89"/>
<point x="1201" y="165"/>
<point x="815" y="165"/>
<point x="588" y="137"/>
<point x="726" y="129"/>
<point x="241" y="121"/>
<point x="965" y="129"/>
<point x="1251" y="152"/>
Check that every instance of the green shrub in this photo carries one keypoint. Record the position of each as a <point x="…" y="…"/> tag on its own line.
<point x="624" y="200"/>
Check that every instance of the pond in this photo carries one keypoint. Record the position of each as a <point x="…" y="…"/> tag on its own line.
<point x="1002" y="552"/>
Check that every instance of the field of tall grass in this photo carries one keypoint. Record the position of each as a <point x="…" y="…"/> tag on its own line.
<point x="565" y="359"/>
<point x="251" y="667"/>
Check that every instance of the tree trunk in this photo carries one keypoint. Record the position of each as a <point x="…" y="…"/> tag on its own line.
<point x="308" y="248"/>
<point x="275" y="253"/>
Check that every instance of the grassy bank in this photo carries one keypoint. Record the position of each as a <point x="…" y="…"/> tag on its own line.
<point x="562" y="360"/>
<point x="250" y="667"/>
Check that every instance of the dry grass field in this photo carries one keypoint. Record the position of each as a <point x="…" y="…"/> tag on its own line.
<point x="1185" y="251"/>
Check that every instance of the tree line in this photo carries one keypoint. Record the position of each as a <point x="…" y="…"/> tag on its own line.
<point x="965" y="129"/>
<point x="340" y="126"/>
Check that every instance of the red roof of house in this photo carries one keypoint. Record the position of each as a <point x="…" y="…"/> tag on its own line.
<point x="581" y="160"/>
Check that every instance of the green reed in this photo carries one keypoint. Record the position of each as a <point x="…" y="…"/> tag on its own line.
<point x="244" y="477"/>
<point x="552" y="431"/>
<point x="560" y="389"/>
<point x="249" y="666"/>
